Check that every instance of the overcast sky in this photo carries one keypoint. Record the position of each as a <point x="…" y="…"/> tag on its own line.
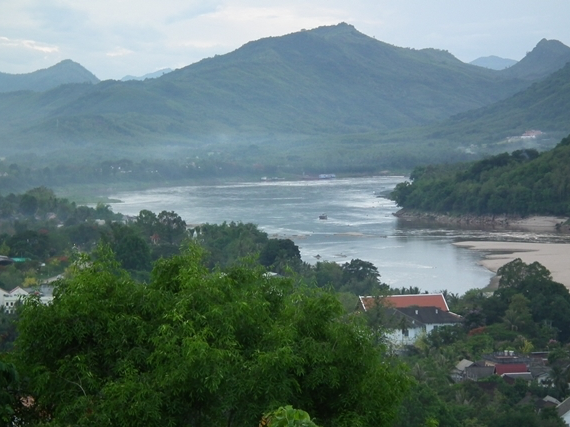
<point x="113" y="38"/>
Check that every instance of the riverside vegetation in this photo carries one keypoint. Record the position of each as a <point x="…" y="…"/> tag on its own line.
<point x="522" y="183"/>
<point x="152" y="324"/>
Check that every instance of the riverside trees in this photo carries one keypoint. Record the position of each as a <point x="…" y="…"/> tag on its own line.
<point x="199" y="347"/>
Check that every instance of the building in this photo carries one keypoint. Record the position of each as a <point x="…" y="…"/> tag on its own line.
<point x="9" y="300"/>
<point x="410" y="316"/>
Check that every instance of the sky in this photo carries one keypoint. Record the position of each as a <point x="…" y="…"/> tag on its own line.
<point x="115" y="38"/>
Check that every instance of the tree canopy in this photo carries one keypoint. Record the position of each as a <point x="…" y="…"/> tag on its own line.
<point x="199" y="347"/>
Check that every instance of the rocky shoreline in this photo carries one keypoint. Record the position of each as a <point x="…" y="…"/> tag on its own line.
<point x="546" y="223"/>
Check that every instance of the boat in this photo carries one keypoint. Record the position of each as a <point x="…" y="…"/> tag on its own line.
<point x="323" y="216"/>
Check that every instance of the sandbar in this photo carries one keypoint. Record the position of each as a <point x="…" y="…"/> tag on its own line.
<point x="554" y="256"/>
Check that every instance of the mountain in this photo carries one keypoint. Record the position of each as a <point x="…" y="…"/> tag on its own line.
<point x="329" y="95"/>
<point x="324" y="81"/>
<point x="493" y="62"/>
<point x="64" y="72"/>
<point x="545" y="105"/>
<point x="547" y="56"/>
<point x="154" y="75"/>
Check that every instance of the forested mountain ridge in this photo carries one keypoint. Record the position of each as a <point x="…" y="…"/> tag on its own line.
<point x="522" y="183"/>
<point x="64" y="72"/>
<point x="325" y="81"/>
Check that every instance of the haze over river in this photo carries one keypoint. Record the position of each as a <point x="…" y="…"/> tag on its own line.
<point x="360" y="224"/>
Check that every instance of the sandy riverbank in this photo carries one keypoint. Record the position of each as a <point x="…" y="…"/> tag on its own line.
<point x="554" y="256"/>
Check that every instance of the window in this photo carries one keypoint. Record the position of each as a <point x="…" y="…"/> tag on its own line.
<point x="405" y="332"/>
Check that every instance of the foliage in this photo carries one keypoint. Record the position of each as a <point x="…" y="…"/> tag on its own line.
<point x="287" y="416"/>
<point x="520" y="183"/>
<point x="195" y="346"/>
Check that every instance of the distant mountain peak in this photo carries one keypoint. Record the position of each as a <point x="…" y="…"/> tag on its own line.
<point x="547" y="57"/>
<point x="64" y="72"/>
<point x="493" y="62"/>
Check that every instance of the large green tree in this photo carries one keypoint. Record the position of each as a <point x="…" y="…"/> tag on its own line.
<point x="196" y="347"/>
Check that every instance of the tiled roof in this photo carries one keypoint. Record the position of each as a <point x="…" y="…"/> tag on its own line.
<point x="404" y="301"/>
<point x="510" y="368"/>
<point x="464" y="363"/>
<point x="563" y="407"/>
<point x="430" y="315"/>
<point x="479" y="372"/>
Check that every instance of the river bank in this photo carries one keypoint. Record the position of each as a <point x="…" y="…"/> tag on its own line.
<point x="553" y="256"/>
<point x="515" y="222"/>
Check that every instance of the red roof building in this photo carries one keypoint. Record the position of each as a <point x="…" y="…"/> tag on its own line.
<point x="510" y="368"/>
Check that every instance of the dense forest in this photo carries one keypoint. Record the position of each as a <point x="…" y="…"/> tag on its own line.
<point x="521" y="183"/>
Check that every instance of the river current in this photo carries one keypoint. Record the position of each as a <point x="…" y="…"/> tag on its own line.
<point x="360" y="224"/>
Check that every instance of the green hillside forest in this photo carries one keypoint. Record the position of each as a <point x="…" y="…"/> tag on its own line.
<point x="521" y="183"/>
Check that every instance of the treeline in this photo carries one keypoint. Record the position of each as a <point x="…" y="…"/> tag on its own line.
<point x="17" y="177"/>
<point x="521" y="183"/>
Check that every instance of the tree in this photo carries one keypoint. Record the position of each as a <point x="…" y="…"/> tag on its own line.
<point x="195" y="347"/>
<point x="9" y="384"/>
<point x="171" y="226"/>
<point x="130" y="249"/>
<point x="147" y="222"/>
<point x="280" y="251"/>
<point x="360" y="277"/>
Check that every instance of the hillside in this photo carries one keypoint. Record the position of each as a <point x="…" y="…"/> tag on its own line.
<point x="545" y="105"/>
<point x="64" y="72"/>
<point x="325" y="81"/>
<point x="522" y="183"/>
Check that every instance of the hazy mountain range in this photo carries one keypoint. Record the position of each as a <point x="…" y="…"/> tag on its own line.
<point x="153" y="75"/>
<point x="327" y="84"/>
<point x="493" y="62"/>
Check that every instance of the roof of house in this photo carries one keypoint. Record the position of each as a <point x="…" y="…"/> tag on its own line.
<point x="527" y="376"/>
<point x="510" y="368"/>
<point x="563" y="408"/>
<point x="478" y="372"/>
<point x="4" y="260"/>
<point x="404" y="301"/>
<point x="461" y="365"/>
<point x="429" y="316"/>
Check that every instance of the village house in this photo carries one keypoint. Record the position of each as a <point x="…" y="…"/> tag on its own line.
<point x="9" y="300"/>
<point x="410" y="316"/>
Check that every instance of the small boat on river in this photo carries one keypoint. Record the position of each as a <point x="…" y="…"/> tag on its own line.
<point x="323" y="216"/>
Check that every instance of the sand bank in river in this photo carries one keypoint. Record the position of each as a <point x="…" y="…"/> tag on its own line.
<point x="554" y="256"/>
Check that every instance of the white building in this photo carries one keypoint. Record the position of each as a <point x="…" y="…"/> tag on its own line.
<point x="9" y="300"/>
<point x="410" y="316"/>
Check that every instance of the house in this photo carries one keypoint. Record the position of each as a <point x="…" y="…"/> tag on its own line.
<point x="410" y="316"/>
<point x="9" y="300"/>
<point x="458" y="373"/>
<point x="512" y="368"/>
<point x="477" y="372"/>
<point x="4" y="260"/>
<point x="563" y="410"/>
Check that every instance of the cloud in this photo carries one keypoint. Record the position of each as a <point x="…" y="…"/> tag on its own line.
<point x="27" y="44"/>
<point x="119" y="51"/>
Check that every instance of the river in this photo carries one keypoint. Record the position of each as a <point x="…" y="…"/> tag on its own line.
<point x="360" y="224"/>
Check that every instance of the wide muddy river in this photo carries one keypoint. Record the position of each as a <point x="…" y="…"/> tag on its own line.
<point x="359" y="224"/>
